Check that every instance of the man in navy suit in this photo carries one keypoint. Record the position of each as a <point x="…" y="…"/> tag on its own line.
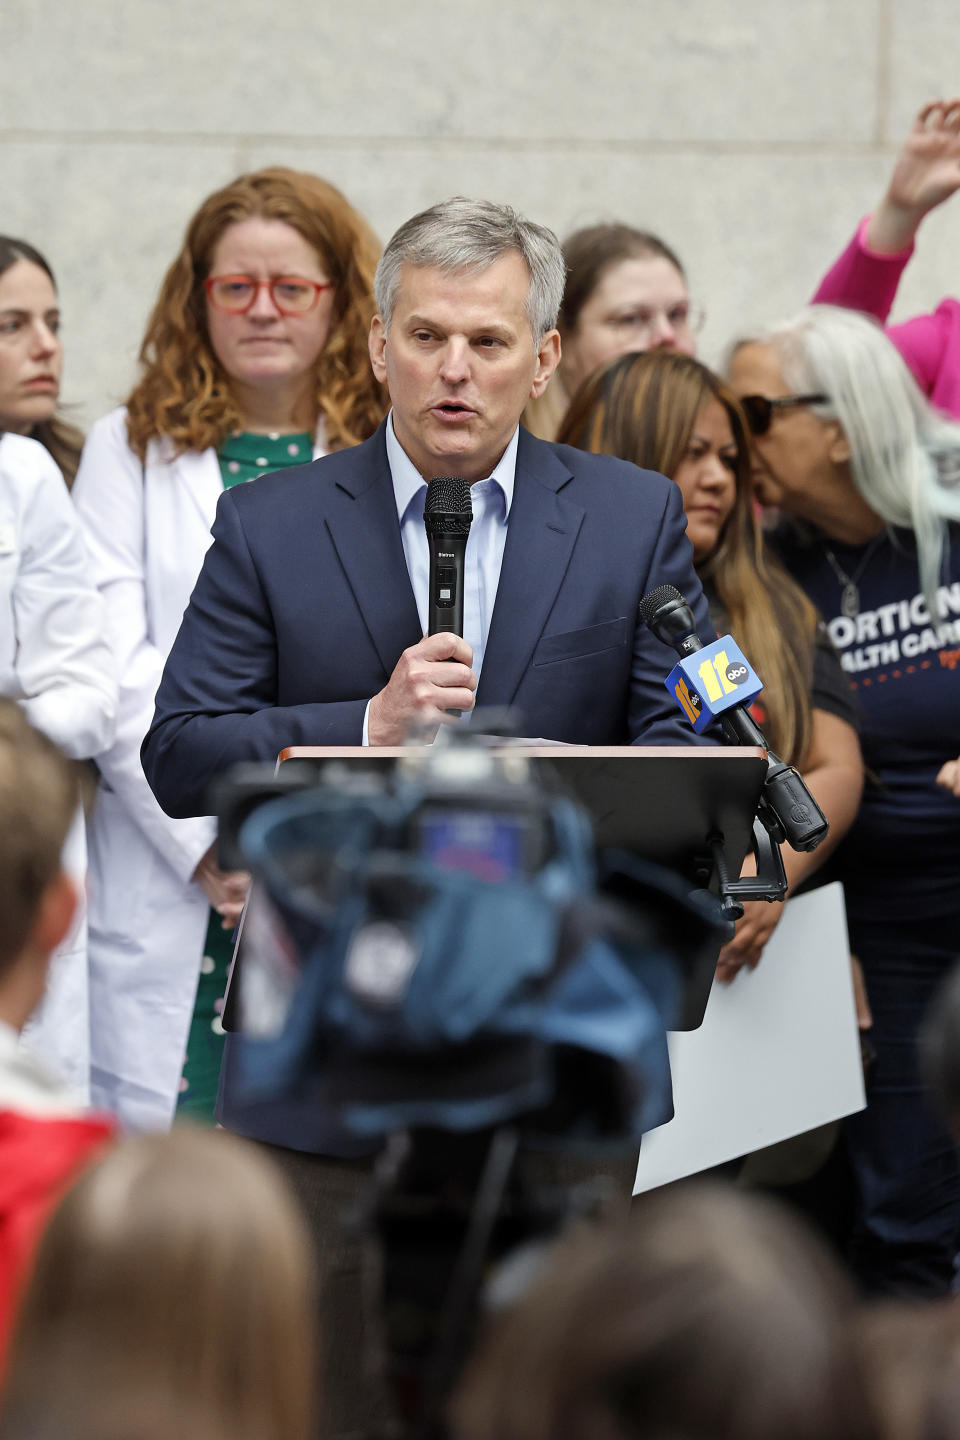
<point x="307" y="622"/>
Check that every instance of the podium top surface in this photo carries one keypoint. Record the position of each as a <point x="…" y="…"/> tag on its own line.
<point x="553" y="752"/>
<point x="661" y="802"/>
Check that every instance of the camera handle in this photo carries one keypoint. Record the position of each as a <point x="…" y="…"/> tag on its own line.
<point x="467" y="1277"/>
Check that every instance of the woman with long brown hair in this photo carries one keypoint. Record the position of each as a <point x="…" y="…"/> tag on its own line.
<point x="31" y="355"/>
<point x="172" y="1293"/>
<point x="54" y="659"/>
<point x="626" y="292"/>
<point x="255" y="358"/>
<point x="670" y="413"/>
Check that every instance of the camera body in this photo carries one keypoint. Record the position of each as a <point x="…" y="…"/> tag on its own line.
<point x="438" y="961"/>
<point x="436" y="943"/>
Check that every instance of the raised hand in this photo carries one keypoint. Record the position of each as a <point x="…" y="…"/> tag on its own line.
<point x="927" y="172"/>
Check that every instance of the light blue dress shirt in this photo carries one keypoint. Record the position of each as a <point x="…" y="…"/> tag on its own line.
<point x="491" y="500"/>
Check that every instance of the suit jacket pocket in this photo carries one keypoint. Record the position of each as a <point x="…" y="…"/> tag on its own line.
<point x="573" y="644"/>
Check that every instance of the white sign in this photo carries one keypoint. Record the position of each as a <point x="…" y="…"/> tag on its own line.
<point x="778" y="1052"/>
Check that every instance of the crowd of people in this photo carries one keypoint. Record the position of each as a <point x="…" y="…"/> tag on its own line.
<point x="163" y="618"/>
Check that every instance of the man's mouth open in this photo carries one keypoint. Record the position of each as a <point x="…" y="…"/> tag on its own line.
<point x="453" y="411"/>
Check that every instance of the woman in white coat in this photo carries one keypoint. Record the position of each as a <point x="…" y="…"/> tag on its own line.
<point x="31" y="355"/>
<point x="54" y="660"/>
<point x="53" y="655"/>
<point x="254" y="358"/>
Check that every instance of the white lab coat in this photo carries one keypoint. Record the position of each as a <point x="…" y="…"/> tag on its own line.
<point x="147" y="528"/>
<point x="56" y="661"/>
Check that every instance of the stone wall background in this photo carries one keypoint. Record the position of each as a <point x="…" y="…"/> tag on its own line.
<point x="751" y="134"/>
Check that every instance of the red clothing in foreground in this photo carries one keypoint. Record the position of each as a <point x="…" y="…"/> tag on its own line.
<point x="39" y="1157"/>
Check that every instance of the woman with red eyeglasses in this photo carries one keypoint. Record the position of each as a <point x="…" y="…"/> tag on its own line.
<point x="255" y="358"/>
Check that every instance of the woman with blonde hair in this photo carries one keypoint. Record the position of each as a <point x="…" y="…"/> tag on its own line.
<point x="175" y="1279"/>
<point x="255" y="358"/>
<point x="672" y="414"/>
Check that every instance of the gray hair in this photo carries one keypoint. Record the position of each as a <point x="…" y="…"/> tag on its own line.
<point x="904" y="455"/>
<point x="469" y="235"/>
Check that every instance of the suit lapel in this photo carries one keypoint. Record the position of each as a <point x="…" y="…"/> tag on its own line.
<point x="363" y="525"/>
<point x="541" y="533"/>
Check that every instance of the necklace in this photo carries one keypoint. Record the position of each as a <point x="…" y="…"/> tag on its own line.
<point x="850" y="595"/>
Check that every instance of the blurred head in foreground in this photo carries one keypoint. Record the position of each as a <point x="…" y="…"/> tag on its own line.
<point x="39" y="792"/>
<point x="709" y="1316"/>
<point x="911" y="1357"/>
<point x="173" y="1287"/>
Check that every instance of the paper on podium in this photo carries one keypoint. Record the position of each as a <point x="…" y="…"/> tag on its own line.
<point x="778" y="1052"/>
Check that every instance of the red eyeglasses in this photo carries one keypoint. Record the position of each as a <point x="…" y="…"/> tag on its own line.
<point x="292" y="294"/>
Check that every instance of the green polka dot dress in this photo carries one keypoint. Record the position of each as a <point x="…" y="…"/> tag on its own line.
<point x="243" y="457"/>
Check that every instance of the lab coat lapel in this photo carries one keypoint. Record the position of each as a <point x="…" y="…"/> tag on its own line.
<point x="541" y="532"/>
<point x="197" y="473"/>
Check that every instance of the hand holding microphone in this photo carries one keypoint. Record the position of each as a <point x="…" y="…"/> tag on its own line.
<point x="432" y="683"/>
<point x="428" y="679"/>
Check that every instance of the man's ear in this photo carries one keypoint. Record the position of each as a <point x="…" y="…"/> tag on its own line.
<point x="54" y="914"/>
<point x="548" y="358"/>
<point x="377" y="343"/>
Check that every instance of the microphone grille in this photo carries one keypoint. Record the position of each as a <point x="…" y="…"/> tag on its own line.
<point x="653" y="601"/>
<point x="448" y="509"/>
<point x="448" y="495"/>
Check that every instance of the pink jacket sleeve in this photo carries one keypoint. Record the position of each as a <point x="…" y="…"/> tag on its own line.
<point x="864" y="280"/>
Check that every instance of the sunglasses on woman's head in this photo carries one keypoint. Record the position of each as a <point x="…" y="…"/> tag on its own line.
<point x="759" y="409"/>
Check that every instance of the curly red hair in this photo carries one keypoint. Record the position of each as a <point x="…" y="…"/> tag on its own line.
<point x="184" y="393"/>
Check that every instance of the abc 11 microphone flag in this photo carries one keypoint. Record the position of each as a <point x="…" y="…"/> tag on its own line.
<point x="712" y="680"/>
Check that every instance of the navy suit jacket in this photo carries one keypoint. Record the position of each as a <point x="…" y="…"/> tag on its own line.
<point x="304" y="605"/>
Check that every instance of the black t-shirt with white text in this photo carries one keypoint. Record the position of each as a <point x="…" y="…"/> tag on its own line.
<point x="904" y="847"/>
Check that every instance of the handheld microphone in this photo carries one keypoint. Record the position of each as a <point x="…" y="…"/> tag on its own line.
<point x="447" y="517"/>
<point x="718" y="685"/>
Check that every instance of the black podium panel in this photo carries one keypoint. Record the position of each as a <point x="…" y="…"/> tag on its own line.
<point x="662" y="803"/>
